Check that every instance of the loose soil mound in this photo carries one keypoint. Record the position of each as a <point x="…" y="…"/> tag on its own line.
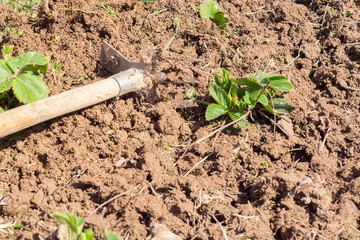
<point x="140" y="145"/>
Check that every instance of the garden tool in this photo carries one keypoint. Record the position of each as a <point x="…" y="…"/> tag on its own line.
<point x="127" y="77"/>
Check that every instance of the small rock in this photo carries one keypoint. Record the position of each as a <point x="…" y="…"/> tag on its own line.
<point x="161" y="232"/>
<point x="125" y="163"/>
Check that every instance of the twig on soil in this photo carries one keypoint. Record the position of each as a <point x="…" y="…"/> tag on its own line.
<point x="201" y="71"/>
<point x="201" y="161"/>
<point x="217" y="135"/>
<point x="352" y="44"/>
<point x="114" y="198"/>
<point x="2" y="201"/>
<point x="153" y="189"/>
<point x="262" y="9"/>
<point x="275" y="123"/>
<point x="222" y="229"/>
<point x="338" y="233"/>
<point x="326" y="135"/>
<point x="223" y="127"/>
<point x="354" y="89"/>
<point x="267" y="65"/>
<point x="325" y="12"/>
<point x="185" y="151"/>
<point x="7" y="227"/>
<point x="158" y="12"/>
<point x="357" y="230"/>
<point x="77" y="10"/>
<point x="208" y="51"/>
<point x="282" y="69"/>
<point x="244" y="217"/>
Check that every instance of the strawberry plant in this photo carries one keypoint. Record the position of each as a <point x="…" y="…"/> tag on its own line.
<point x="22" y="75"/>
<point x="75" y="227"/>
<point x="208" y="10"/>
<point x="234" y="97"/>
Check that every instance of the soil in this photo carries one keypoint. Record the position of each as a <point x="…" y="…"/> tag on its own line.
<point x="139" y="148"/>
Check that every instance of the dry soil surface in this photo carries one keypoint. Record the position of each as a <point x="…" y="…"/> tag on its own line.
<point x="140" y="147"/>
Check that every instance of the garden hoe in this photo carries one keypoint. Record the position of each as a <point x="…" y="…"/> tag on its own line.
<point x="128" y="77"/>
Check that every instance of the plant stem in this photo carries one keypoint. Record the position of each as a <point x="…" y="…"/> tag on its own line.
<point x="202" y="102"/>
<point x="223" y="127"/>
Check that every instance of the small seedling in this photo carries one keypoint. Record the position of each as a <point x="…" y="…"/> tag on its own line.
<point x="265" y="163"/>
<point x="189" y="26"/>
<point x="176" y="23"/>
<point x="11" y="30"/>
<point x="347" y="13"/>
<point x="57" y="69"/>
<point x="191" y="97"/>
<point x="277" y="59"/>
<point x="107" y="9"/>
<point x="208" y="10"/>
<point x="75" y="226"/>
<point x="22" y="6"/>
<point x="234" y="96"/>
<point x="79" y="81"/>
<point x="167" y="148"/>
<point x="22" y="74"/>
<point x="56" y="40"/>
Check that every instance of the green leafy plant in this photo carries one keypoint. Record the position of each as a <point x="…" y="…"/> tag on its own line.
<point x="22" y="75"/>
<point x="10" y="30"/>
<point x="74" y="224"/>
<point x="107" y="9"/>
<point x="110" y="236"/>
<point x="236" y="96"/>
<point x="22" y="6"/>
<point x="75" y="227"/>
<point x="208" y="10"/>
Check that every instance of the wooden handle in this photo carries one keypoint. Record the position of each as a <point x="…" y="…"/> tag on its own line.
<point x="25" y="116"/>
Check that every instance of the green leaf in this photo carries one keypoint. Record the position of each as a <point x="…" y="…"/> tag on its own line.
<point x="208" y="10"/>
<point x="225" y="75"/>
<point x="252" y="94"/>
<point x="27" y="59"/>
<point x="74" y="224"/>
<point x="269" y="109"/>
<point x="236" y="114"/>
<point x="217" y="81"/>
<point x="237" y="92"/>
<point x="242" y="105"/>
<point x="226" y="83"/>
<point x="214" y="111"/>
<point x="261" y="77"/>
<point x="1" y="110"/>
<point x="6" y="51"/>
<point x="220" y="96"/>
<point x="276" y="82"/>
<point x="280" y="83"/>
<point x="4" y="97"/>
<point x="5" y="77"/>
<point x="28" y="87"/>
<point x="219" y="20"/>
<point x="280" y="106"/>
<point x="245" y="81"/>
<point x="87" y="234"/>
<point x="110" y="236"/>
<point x="19" y="226"/>
<point x="35" y="68"/>
<point x="190" y="93"/>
